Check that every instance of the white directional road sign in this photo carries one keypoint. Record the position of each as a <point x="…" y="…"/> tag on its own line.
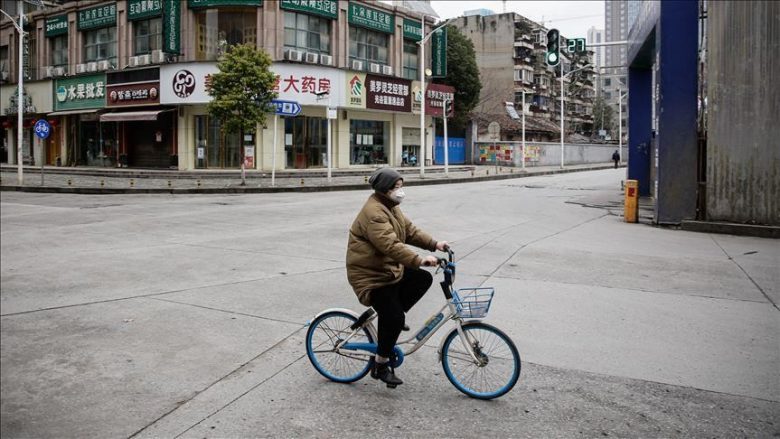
<point x="287" y="108"/>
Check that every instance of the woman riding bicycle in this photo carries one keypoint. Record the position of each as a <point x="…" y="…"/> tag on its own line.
<point x="382" y="270"/>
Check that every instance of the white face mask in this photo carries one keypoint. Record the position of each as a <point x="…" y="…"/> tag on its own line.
<point x="397" y="195"/>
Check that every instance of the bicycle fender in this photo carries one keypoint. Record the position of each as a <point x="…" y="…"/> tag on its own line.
<point x="464" y="325"/>
<point x="371" y="328"/>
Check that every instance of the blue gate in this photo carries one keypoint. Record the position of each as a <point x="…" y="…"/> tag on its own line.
<point x="456" y="151"/>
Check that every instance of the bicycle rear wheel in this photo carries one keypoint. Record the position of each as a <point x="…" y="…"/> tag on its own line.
<point x="327" y="331"/>
<point x="498" y="368"/>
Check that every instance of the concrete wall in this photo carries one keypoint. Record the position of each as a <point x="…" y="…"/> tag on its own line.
<point x="743" y="157"/>
<point x="549" y="154"/>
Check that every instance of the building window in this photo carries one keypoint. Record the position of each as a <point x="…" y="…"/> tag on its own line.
<point x="147" y="35"/>
<point x="215" y="148"/>
<point x="100" y="44"/>
<point x="4" y="67"/>
<point x="411" y="60"/>
<point x="369" y="141"/>
<point x="217" y="29"/>
<point x="306" y="141"/>
<point x="59" y="51"/>
<point x="607" y="82"/>
<point x="31" y="57"/>
<point x="368" y="46"/>
<point x="607" y="95"/>
<point x="306" y="33"/>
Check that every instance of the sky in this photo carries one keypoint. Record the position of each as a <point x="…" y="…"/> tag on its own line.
<point x="576" y="16"/>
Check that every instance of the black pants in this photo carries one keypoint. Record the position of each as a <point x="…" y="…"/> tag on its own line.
<point x="391" y="302"/>
<point x="616" y="163"/>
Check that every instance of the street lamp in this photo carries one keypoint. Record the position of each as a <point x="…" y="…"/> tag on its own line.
<point x="20" y="92"/>
<point x="620" y="122"/>
<point x="422" y="90"/>
<point x="562" y="93"/>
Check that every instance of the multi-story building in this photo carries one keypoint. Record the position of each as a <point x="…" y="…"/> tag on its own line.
<point x="123" y="82"/>
<point x="510" y="54"/>
<point x="619" y="15"/>
<point x="596" y="36"/>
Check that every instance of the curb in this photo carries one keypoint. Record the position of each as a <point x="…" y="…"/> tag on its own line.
<point x="758" y="231"/>
<point x="265" y="190"/>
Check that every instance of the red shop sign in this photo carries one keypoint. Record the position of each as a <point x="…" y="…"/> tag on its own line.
<point x="385" y="93"/>
<point x="434" y="99"/>
<point x="122" y="95"/>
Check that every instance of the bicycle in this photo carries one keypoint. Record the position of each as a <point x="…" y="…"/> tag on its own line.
<point x="485" y="364"/>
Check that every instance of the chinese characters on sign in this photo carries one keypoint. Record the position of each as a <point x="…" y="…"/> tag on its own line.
<point x="303" y="84"/>
<point x="101" y="16"/>
<point x="412" y="29"/>
<point x="371" y="18"/>
<point x="57" y="26"/>
<point x="324" y="8"/>
<point x="138" y="9"/>
<point x="80" y="92"/>
<point x="133" y="94"/>
<point x="434" y="99"/>
<point x="384" y="93"/>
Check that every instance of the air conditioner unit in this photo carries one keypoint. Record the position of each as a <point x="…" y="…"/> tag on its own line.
<point x="293" y="55"/>
<point x="326" y="60"/>
<point x="158" y="57"/>
<point x="59" y="71"/>
<point x="81" y="68"/>
<point x="92" y="66"/>
<point x="103" y="65"/>
<point x="144" y="60"/>
<point x="48" y="71"/>
<point x="387" y="70"/>
<point x="357" y="65"/>
<point x="375" y="68"/>
<point x="312" y="58"/>
<point x="132" y="61"/>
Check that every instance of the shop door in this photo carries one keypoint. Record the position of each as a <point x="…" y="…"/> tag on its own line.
<point x="213" y="148"/>
<point x="305" y="142"/>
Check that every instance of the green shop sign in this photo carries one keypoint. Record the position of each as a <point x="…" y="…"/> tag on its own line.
<point x="82" y="92"/>
<point x="194" y="4"/>
<point x="439" y="56"/>
<point x="412" y="29"/>
<point x="97" y="17"/>
<point x="139" y="9"/>
<point x="324" y="8"/>
<point x="373" y="19"/>
<point x="57" y="26"/>
<point x="171" y="24"/>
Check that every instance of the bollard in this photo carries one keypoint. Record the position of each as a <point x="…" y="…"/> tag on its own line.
<point x="631" y="203"/>
<point x="487" y="172"/>
<point x="365" y="179"/>
<point x="472" y="172"/>
<point x="199" y="182"/>
<point x="70" y="182"/>
<point x="169" y="183"/>
<point x="301" y="182"/>
<point x="102" y="182"/>
<point x="132" y="183"/>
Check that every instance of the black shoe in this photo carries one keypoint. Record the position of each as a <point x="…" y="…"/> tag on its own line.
<point x="382" y="371"/>
<point x="405" y="328"/>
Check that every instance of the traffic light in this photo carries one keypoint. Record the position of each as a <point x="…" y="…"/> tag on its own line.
<point x="447" y="108"/>
<point x="553" y="55"/>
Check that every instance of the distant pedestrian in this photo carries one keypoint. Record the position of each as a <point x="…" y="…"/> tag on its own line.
<point x="616" y="158"/>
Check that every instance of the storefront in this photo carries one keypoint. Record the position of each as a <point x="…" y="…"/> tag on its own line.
<point x="146" y="131"/>
<point x="36" y="102"/>
<point x="86" y="141"/>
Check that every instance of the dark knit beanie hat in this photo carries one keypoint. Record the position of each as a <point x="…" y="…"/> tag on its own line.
<point x="383" y="179"/>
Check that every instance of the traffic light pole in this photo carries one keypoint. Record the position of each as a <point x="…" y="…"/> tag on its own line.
<point x="563" y="134"/>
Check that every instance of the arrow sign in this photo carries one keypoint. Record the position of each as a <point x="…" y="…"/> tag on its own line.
<point x="42" y="128"/>
<point x="287" y="108"/>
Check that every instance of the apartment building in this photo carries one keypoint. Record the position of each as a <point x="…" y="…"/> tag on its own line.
<point x="619" y="16"/>
<point x="123" y="82"/>
<point x="510" y="54"/>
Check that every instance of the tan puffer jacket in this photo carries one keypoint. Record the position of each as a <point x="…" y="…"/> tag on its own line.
<point x="377" y="251"/>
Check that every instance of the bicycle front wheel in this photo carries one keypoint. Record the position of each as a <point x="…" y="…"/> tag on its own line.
<point x="342" y="366"/>
<point x="497" y="366"/>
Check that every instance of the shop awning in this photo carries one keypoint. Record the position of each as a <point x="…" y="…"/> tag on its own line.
<point x="65" y="113"/>
<point x="130" y="116"/>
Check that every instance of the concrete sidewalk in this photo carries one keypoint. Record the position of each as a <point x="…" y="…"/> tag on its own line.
<point x="114" y="181"/>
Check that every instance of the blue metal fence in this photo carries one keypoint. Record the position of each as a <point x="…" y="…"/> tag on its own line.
<point x="456" y="151"/>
